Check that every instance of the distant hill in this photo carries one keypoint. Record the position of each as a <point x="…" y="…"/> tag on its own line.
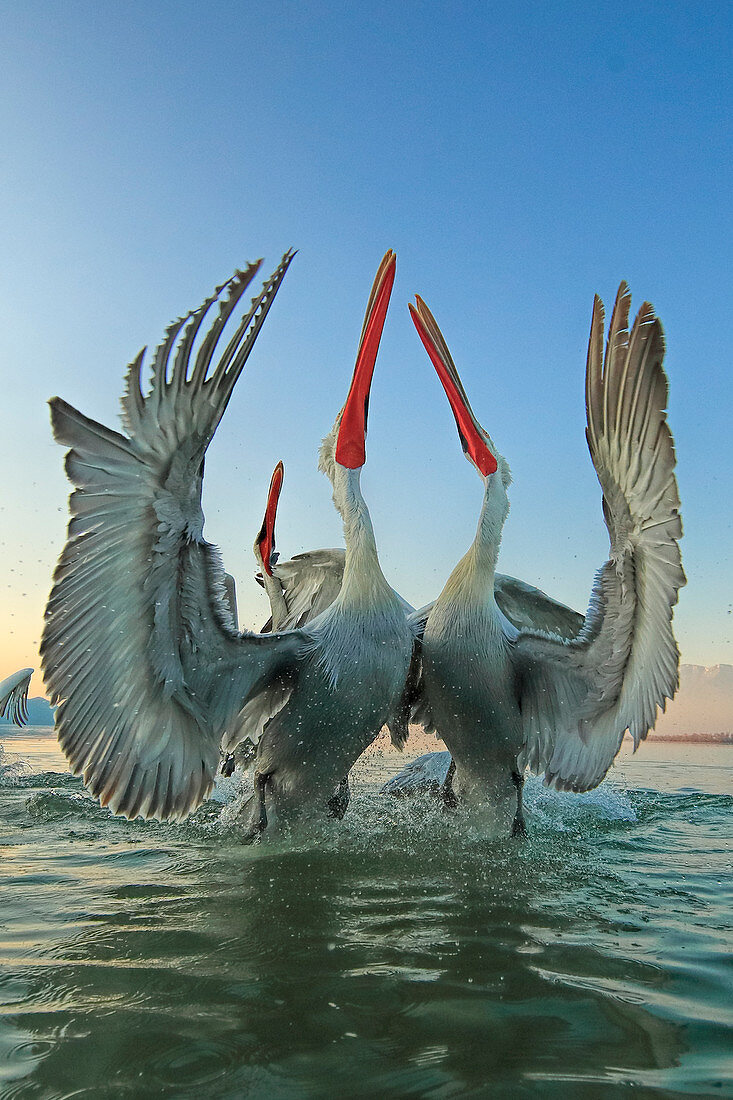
<point x="40" y="713"/>
<point x="703" y="704"/>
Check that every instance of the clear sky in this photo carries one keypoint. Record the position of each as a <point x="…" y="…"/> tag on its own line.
<point x="518" y="158"/>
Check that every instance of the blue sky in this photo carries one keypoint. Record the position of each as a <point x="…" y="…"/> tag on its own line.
<point x="518" y="158"/>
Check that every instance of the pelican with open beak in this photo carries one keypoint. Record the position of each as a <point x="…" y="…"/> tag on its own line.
<point x="265" y="556"/>
<point x="140" y="647"/>
<point x="505" y="697"/>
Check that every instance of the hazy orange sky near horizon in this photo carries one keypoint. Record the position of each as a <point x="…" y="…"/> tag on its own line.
<point x="516" y="169"/>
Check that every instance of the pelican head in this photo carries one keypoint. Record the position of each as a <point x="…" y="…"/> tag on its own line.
<point x="343" y="451"/>
<point x="264" y="547"/>
<point x="476" y="442"/>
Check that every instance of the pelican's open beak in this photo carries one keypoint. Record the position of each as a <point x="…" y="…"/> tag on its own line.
<point x="350" y="444"/>
<point x="470" y="431"/>
<point x="265" y="542"/>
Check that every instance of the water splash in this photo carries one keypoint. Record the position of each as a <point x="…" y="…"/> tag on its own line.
<point x="12" y="769"/>
<point x="608" y="802"/>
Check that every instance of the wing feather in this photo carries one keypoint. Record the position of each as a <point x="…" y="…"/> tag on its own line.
<point x="140" y="648"/>
<point x="579" y="696"/>
<point x="14" y="696"/>
<point x="257" y="712"/>
<point x="310" y="583"/>
<point x="529" y="608"/>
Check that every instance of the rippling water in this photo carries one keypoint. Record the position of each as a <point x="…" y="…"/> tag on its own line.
<point x="393" y="956"/>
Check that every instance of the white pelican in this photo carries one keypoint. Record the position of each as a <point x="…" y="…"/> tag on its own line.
<point x="139" y="647"/>
<point x="298" y="591"/>
<point x="264" y="551"/>
<point x="14" y="696"/>
<point x="504" y="698"/>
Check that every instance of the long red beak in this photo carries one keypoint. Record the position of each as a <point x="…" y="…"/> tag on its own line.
<point x="351" y="442"/>
<point x="469" y="429"/>
<point x="266" y="537"/>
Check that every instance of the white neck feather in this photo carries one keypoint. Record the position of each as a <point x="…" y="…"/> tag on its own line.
<point x="364" y="583"/>
<point x="472" y="580"/>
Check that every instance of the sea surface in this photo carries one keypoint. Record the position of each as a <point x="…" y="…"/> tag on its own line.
<point x="399" y="954"/>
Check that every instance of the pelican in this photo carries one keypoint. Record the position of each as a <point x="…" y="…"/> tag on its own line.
<point x="140" y="648"/>
<point x="504" y="698"/>
<point x="298" y="591"/>
<point x="14" y="696"/>
<point x="265" y="556"/>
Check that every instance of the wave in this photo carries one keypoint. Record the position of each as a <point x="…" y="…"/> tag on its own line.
<point x="11" y="769"/>
<point x="376" y="819"/>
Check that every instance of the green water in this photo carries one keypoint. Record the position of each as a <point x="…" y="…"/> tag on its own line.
<point x="394" y="956"/>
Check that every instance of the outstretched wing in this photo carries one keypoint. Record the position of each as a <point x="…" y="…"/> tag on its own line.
<point x="579" y="697"/>
<point x="140" y="648"/>
<point x="14" y="696"/>
<point x="310" y="583"/>
<point x="529" y="608"/>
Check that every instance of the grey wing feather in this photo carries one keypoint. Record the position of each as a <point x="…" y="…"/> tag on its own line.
<point x="579" y="697"/>
<point x="139" y="646"/>
<point x="230" y="599"/>
<point x="529" y="608"/>
<point x="257" y="712"/>
<point x="310" y="583"/>
<point x="14" y="696"/>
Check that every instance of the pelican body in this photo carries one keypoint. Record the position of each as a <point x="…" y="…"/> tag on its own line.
<point x="349" y="684"/>
<point x="140" y="646"/>
<point x="470" y="688"/>
<point x="559" y="700"/>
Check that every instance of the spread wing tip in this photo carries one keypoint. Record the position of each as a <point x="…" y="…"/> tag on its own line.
<point x="14" y="696"/>
<point x="130" y="789"/>
<point x="128" y="719"/>
<point x="581" y="698"/>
